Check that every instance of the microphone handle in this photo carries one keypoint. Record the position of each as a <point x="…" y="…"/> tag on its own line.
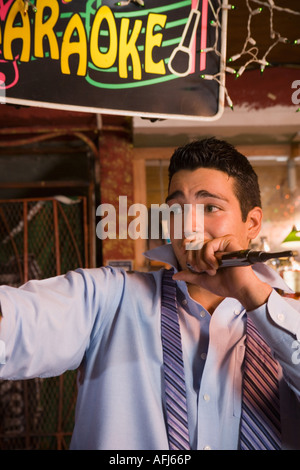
<point x="249" y="257"/>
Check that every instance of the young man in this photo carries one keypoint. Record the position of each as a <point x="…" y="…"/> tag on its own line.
<point x="117" y="327"/>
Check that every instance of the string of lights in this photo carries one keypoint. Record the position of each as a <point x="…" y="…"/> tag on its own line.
<point x="250" y="49"/>
<point x="250" y="46"/>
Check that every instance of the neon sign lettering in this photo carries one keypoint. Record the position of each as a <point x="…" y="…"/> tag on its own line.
<point x="101" y="40"/>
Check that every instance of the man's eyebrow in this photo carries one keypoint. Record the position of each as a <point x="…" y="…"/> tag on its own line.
<point x="174" y="195"/>
<point x="205" y="194"/>
<point x="199" y="194"/>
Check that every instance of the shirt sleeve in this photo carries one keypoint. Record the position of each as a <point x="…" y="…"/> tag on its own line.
<point x="278" y="321"/>
<point x="47" y="325"/>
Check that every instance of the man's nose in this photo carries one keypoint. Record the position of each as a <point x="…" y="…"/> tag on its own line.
<point x="193" y="219"/>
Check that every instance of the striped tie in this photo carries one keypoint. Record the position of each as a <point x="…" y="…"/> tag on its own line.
<point x="176" y="408"/>
<point x="260" y="423"/>
<point x="260" y="419"/>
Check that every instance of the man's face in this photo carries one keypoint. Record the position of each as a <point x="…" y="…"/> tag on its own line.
<point x="213" y="189"/>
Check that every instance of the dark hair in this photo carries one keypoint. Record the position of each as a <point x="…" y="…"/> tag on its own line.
<point x="222" y="156"/>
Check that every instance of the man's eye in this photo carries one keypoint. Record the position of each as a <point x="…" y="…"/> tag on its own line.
<point x="211" y="208"/>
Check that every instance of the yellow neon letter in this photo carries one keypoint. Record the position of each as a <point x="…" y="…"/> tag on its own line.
<point x="12" y="32"/>
<point x="153" y="40"/>
<point x="107" y="59"/>
<point x="74" y="47"/>
<point x="46" y="29"/>
<point x="127" y="48"/>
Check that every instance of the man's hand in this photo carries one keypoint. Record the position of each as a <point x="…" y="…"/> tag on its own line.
<point x="240" y="283"/>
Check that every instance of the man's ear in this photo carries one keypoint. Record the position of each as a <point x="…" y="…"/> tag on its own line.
<point x="254" y="220"/>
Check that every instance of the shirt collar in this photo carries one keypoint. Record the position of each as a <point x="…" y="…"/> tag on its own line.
<point x="166" y="255"/>
<point x="163" y="253"/>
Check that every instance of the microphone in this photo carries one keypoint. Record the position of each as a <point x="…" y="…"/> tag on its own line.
<point x="247" y="258"/>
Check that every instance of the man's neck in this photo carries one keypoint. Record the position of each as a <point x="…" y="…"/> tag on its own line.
<point x="207" y="299"/>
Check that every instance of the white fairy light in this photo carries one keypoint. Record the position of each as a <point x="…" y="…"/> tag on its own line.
<point x="230" y="70"/>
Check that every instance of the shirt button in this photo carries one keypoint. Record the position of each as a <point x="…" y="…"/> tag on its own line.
<point x="203" y="356"/>
<point x="280" y="317"/>
<point x="202" y="314"/>
<point x="206" y="448"/>
<point x="184" y="302"/>
<point x="236" y="312"/>
<point x="206" y="397"/>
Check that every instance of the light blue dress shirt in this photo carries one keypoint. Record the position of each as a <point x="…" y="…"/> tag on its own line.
<point x="107" y="323"/>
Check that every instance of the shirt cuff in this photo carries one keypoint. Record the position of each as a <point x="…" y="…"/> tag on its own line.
<point x="5" y="328"/>
<point x="2" y="353"/>
<point x="277" y="316"/>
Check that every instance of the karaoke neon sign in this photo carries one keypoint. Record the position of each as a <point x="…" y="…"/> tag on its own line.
<point x="111" y="48"/>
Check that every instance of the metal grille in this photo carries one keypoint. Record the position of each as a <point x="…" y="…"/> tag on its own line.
<point x="40" y="238"/>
